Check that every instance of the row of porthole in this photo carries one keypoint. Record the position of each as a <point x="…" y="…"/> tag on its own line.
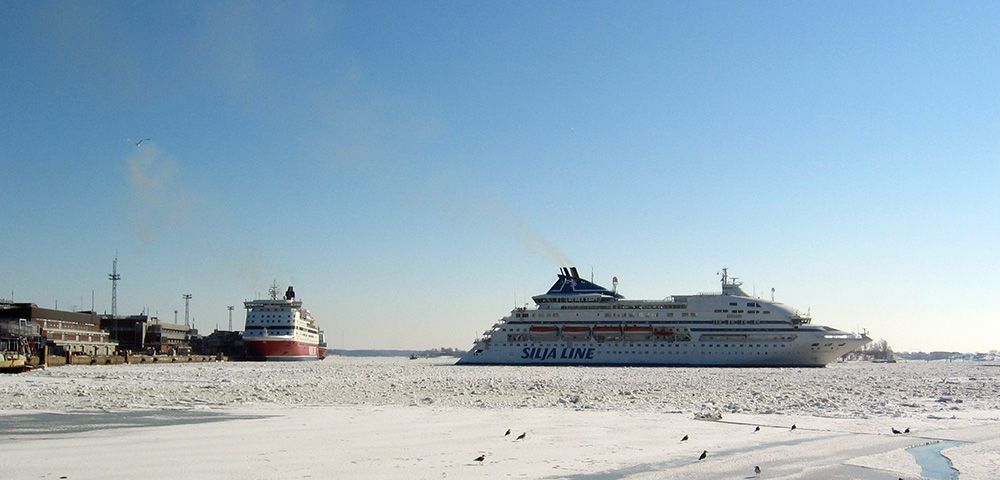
<point x="618" y="352"/>
<point x="758" y="345"/>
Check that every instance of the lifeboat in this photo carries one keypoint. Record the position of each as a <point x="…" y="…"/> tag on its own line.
<point x="543" y="332"/>
<point x="608" y="331"/>
<point x="663" y="332"/>
<point x="638" y="331"/>
<point x="543" y="329"/>
<point x="644" y="329"/>
<point x="576" y="331"/>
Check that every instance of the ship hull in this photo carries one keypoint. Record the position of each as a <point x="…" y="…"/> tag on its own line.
<point x="284" y="350"/>
<point x="800" y="353"/>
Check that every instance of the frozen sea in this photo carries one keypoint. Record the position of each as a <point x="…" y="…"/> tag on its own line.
<point x="349" y="417"/>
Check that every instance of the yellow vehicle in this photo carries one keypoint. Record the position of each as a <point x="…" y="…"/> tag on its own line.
<point x="13" y="362"/>
<point x="13" y="355"/>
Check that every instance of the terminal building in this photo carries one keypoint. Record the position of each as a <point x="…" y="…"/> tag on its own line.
<point x="146" y="333"/>
<point x="129" y="332"/>
<point x="169" y="338"/>
<point x="64" y="332"/>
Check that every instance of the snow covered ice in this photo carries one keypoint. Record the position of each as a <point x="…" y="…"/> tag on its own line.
<point x="399" y="418"/>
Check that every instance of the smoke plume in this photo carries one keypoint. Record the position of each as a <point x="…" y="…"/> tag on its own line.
<point x="159" y="200"/>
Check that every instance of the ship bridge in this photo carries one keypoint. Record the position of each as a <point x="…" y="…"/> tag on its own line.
<point x="569" y="287"/>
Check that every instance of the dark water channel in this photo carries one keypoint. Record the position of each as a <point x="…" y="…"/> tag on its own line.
<point x="934" y="465"/>
<point x="77" y="422"/>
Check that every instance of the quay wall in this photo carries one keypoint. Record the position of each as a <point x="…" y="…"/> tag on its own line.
<point x="58" y="361"/>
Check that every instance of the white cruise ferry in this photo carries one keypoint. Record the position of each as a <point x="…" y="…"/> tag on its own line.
<point x="578" y="322"/>
<point x="280" y="329"/>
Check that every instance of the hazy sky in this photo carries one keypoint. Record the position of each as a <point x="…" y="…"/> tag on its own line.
<point x="416" y="168"/>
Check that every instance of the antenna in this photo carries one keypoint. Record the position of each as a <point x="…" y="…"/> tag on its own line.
<point x="187" y="304"/>
<point x="175" y="317"/>
<point x="772" y="294"/>
<point x="114" y="277"/>
<point x="230" y="308"/>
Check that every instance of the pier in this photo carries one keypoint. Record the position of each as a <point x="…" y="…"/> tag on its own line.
<point x="60" y="360"/>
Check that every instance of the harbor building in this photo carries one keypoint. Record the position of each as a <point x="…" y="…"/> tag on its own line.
<point x="221" y="342"/>
<point x="169" y="337"/>
<point x="129" y="332"/>
<point x="65" y="332"/>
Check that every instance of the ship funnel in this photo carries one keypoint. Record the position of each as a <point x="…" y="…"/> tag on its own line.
<point x="565" y="271"/>
<point x="290" y="294"/>
<point x="576" y="275"/>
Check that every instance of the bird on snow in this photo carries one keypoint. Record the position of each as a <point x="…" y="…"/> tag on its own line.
<point x="793" y="427"/>
<point x="685" y="438"/>
<point x="508" y="432"/>
<point x="703" y="455"/>
<point x="757" y="429"/>
<point x="521" y="436"/>
<point x="907" y="430"/>
<point x="479" y="459"/>
<point x="894" y="431"/>
<point x="756" y="470"/>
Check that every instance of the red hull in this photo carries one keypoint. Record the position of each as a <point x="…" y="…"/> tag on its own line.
<point x="285" y="350"/>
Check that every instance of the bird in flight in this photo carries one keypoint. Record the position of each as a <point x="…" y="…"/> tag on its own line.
<point x="137" y="143"/>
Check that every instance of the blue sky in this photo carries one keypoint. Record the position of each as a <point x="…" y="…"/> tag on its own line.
<point x="416" y="168"/>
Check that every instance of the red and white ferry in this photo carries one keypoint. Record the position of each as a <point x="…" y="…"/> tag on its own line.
<point x="280" y="329"/>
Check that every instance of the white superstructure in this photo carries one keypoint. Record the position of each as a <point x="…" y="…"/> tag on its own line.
<point x="578" y="322"/>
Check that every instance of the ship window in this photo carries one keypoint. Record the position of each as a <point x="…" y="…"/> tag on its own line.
<point x="732" y="303"/>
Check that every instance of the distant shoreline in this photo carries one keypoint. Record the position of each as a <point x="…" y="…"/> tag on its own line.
<point x="387" y="353"/>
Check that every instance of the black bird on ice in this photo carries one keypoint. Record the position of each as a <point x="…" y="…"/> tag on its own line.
<point x="479" y="459"/>
<point x="894" y="431"/>
<point x="757" y="429"/>
<point x="907" y="430"/>
<point x="703" y="455"/>
<point x="756" y="470"/>
<point x="521" y="436"/>
<point x="685" y="438"/>
<point x="793" y="427"/>
<point x="508" y="432"/>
